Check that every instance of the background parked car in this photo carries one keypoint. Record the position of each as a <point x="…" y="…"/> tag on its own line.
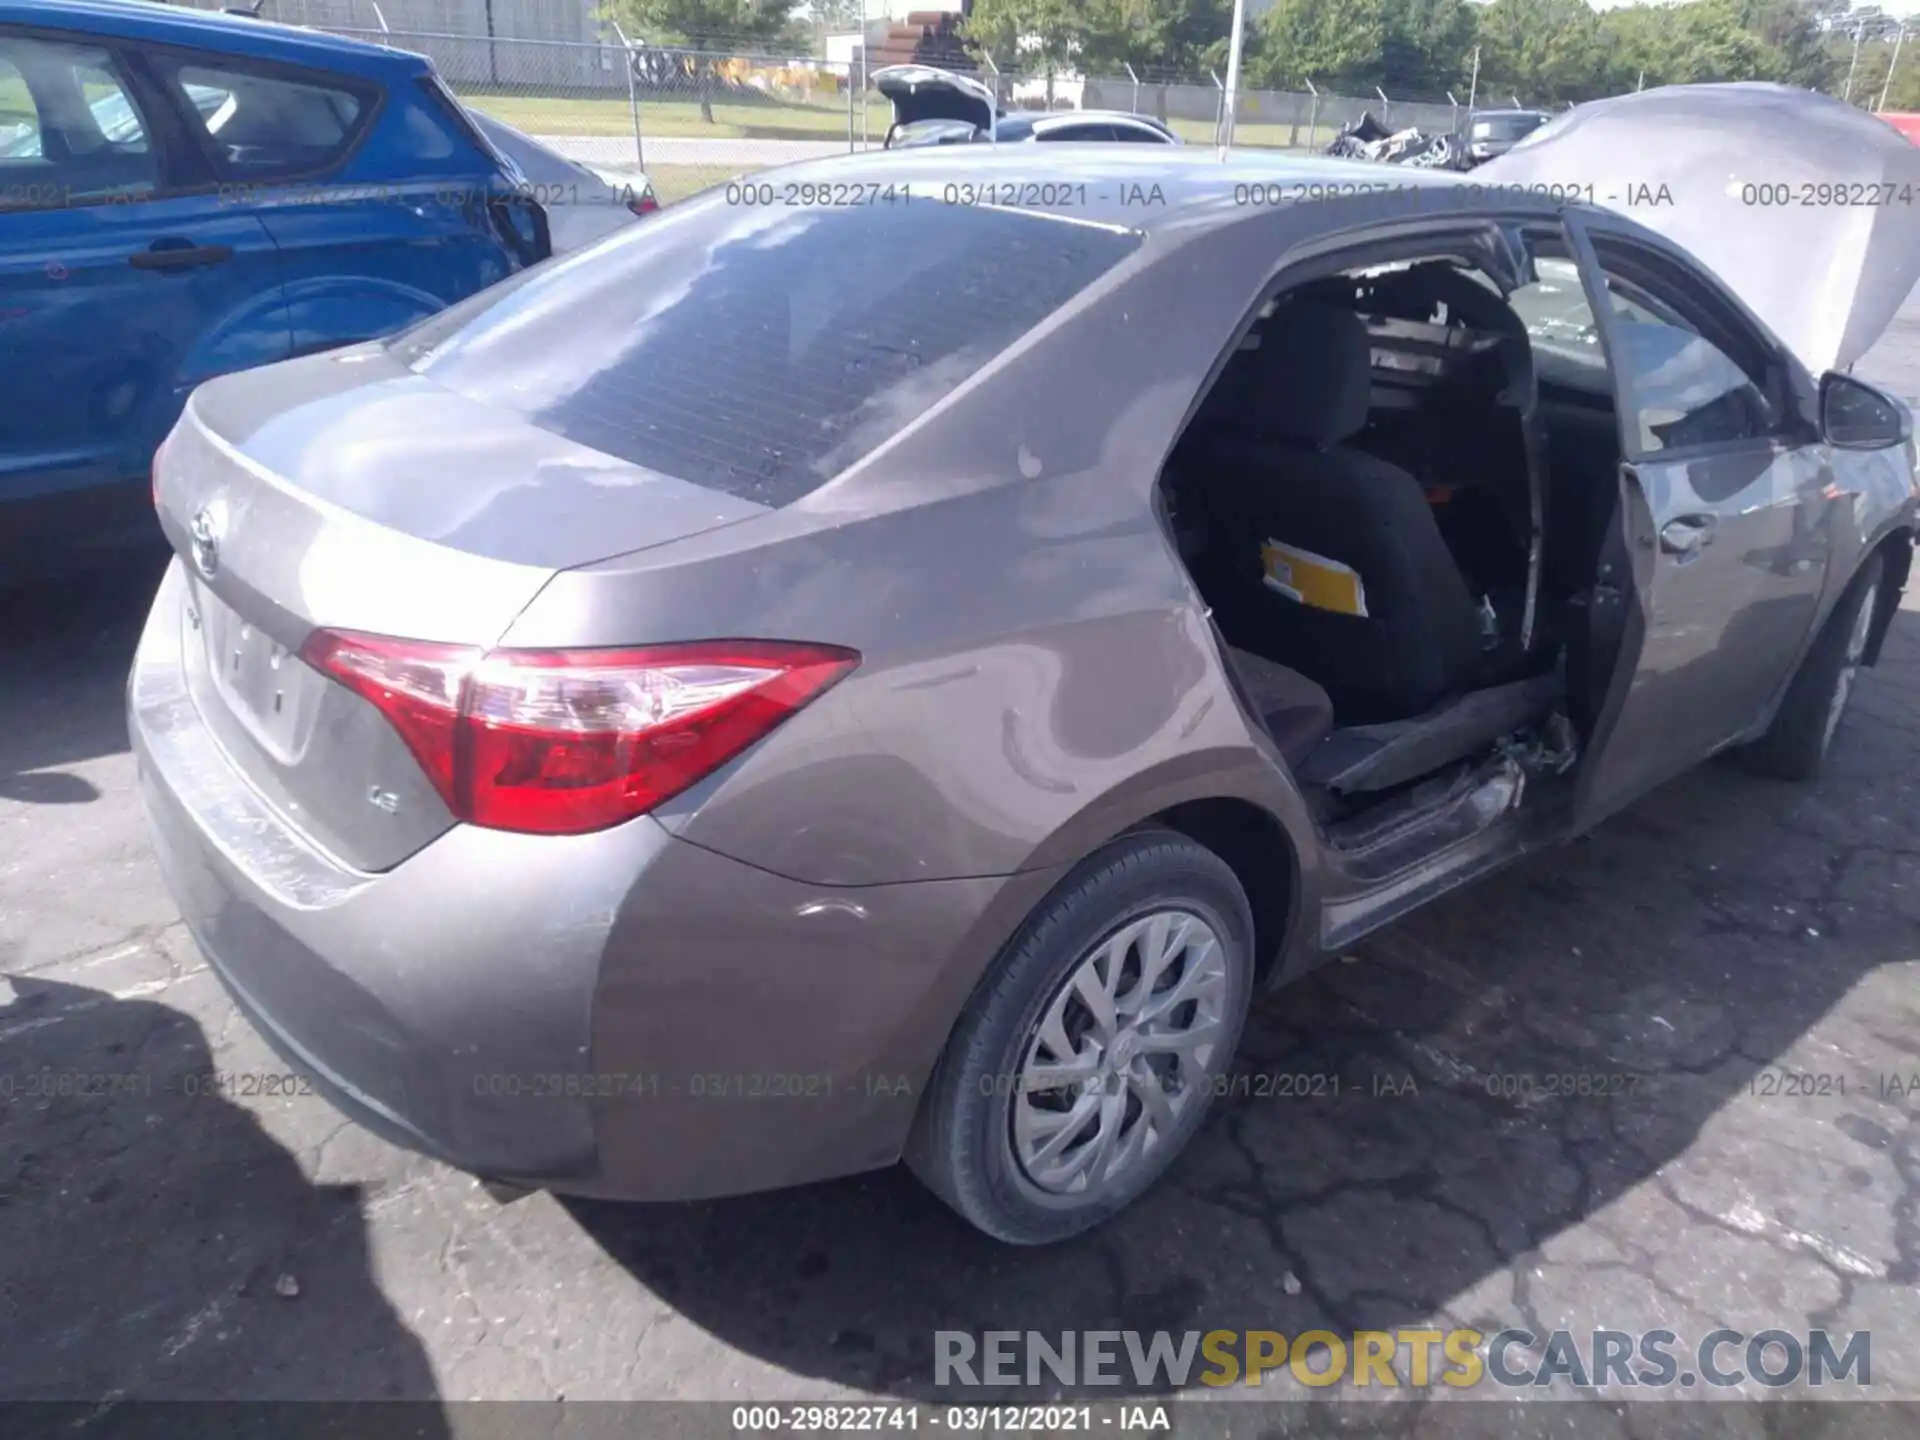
<point x="1494" y="132"/>
<point x="582" y="203"/>
<point x="1368" y="139"/>
<point x="111" y="311"/>
<point x="938" y="107"/>
<point x="1082" y="126"/>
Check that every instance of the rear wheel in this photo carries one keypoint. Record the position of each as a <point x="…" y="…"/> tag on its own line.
<point x="1088" y="1058"/>
<point x="1796" y="745"/>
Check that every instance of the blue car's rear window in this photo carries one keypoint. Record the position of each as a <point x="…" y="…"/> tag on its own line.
<point x="261" y="125"/>
<point x="762" y="351"/>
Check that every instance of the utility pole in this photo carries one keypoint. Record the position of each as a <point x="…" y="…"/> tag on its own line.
<point x="633" y="92"/>
<point x="1233" y="76"/>
<point x="1473" y="85"/>
<point x="1899" y="36"/>
<point x="1859" y="29"/>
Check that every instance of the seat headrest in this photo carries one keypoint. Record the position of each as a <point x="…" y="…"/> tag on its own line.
<point x="1309" y="378"/>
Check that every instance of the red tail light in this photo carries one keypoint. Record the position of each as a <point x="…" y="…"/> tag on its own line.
<point x="561" y="742"/>
<point x="644" y="203"/>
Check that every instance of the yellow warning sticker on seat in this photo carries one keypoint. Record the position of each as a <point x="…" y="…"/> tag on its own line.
<point x="1310" y="579"/>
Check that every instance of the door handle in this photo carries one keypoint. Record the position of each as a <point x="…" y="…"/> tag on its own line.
<point x="1687" y="535"/>
<point x="174" y="256"/>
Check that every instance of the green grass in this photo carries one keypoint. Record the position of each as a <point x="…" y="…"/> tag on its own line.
<point x="778" y="120"/>
<point x="732" y="120"/>
<point x="681" y="182"/>
<point x="1258" y="134"/>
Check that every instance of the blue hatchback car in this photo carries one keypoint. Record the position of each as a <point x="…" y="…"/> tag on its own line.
<point x="185" y="193"/>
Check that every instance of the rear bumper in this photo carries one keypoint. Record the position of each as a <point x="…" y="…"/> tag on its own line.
<point x="424" y="1000"/>
<point x="619" y="1014"/>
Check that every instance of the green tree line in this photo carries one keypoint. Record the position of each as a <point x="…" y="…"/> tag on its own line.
<point x="1546" y="52"/>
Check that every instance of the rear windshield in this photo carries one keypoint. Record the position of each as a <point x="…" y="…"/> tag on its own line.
<point x="1506" y="127"/>
<point x="933" y="132"/>
<point x="762" y="351"/>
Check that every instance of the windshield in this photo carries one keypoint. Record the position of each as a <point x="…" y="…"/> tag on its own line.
<point x="1505" y="127"/>
<point x="1554" y="307"/>
<point x="932" y="132"/>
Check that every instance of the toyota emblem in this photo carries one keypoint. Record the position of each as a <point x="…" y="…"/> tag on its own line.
<point x="205" y="532"/>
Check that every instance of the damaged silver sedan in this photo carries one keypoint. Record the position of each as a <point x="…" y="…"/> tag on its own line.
<point x="933" y="697"/>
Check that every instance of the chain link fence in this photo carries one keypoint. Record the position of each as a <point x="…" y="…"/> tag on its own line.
<point x="1264" y="119"/>
<point x="692" y="118"/>
<point x="689" y="118"/>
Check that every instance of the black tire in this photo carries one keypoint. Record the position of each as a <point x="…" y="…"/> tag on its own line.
<point x="1796" y="745"/>
<point x="963" y="1145"/>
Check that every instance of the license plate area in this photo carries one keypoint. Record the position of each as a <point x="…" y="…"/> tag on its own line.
<point x="255" y="678"/>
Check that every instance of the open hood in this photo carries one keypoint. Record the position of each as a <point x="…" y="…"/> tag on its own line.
<point x="921" y="92"/>
<point x="1803" y="205"/>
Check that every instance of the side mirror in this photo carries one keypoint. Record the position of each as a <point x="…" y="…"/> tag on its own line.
<point x="1855" y="416"/>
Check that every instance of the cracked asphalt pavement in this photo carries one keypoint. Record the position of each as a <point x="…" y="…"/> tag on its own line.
<point x="1721" y="937"/>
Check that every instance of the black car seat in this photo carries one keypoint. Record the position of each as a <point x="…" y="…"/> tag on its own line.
<point x="1278" y="474"/>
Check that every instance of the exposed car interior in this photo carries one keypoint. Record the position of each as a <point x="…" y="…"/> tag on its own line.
<point x="273" y="125"/>
<point x="1362" y="500"/>
<point x="81" y="137"/>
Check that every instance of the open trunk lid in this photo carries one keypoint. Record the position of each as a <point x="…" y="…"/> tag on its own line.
<point x="921" y="92"/>
<point x="346" y="492"/>
<point x="1803" y="205"/>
